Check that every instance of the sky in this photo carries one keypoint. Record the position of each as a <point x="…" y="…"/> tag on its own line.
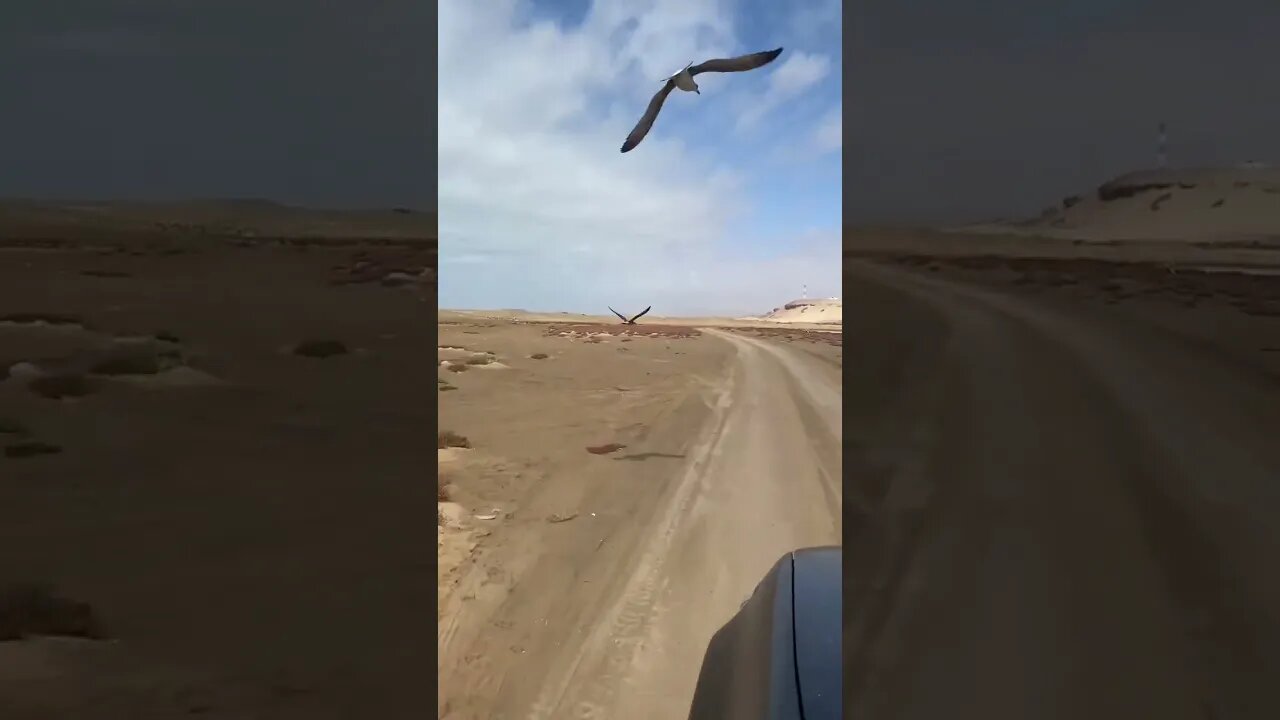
<point x="730" y="206"/>
<point x="980" y="110"/>
<point x="301" y="102"/>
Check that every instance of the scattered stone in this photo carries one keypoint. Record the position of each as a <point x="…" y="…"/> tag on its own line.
<point x="605" y="449"/>
<point x="553" y="518"/>
<point x="28" y="318"/>
<point x="450" y="514"/>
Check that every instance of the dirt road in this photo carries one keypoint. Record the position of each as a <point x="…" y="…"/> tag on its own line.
<point x="613" y="619"/>
<point x="1054" y="513"/>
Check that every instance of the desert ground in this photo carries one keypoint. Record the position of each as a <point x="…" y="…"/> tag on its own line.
<point x="213" y="423"/>
<point x="609" y="496"/>
<point x="1062" y="468"/>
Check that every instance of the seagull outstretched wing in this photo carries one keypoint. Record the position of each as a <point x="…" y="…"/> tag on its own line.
<point x="737" y="64"/>
<point x="621" y="317"/>
<point x="640" y="314"/>
<point x="650" y="114"/>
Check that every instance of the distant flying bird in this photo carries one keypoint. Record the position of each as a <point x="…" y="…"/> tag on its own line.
<point x="684" y="81"/>
<point x="634" y="318"/>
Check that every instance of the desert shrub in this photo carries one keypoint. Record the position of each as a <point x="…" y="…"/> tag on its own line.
<point x="320" y="348"/>
<point x="449" y="438"/>
<point x="34" y="610"/>
<point x="56" y="387"/>
<point x="31" y="448"/>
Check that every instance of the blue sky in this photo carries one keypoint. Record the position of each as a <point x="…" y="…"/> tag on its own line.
<point x="729" y="206"/>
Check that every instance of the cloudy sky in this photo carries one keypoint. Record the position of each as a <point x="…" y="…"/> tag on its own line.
<point x="974" y="110"/>
<point x="730" y="205"/>
<point x="319" y="104"/>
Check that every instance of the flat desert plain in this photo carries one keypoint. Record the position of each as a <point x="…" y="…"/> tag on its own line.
<point x="214" y="437"/>
<point x="609" y="495"/>
<point x="1063" y="474"/>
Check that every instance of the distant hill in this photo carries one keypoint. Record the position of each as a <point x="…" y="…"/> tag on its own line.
<point x="1195" y="204"/>
<point x="819" y="310"/>
<point x="229" y="218"/>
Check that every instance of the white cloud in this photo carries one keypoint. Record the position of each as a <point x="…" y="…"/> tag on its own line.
<point x="799" y="72"/>
<point x="829" y="135"/>
<point x="534" y="196"/>
<point x="817" y="18"/>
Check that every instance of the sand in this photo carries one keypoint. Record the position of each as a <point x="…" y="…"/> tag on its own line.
<point x="608" y="501"/>
<point x="244" y="521"/>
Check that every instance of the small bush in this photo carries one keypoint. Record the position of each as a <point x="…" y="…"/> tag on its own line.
<point x="27" y="611"/>
<point x="31" y="448"/>
<point x="449" y="438"/>
<point x="539" y="356"/>
<point x="147" y="362"/>
<point x="320" y="348"/>
<point x="9" y="426"/>
<point x="56" y="387"/>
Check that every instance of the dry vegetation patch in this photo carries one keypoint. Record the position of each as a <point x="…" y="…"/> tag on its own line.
<point x="451" y="439"/>
<point x="34" y="610"/>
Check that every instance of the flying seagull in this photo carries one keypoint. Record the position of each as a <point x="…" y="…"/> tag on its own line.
<point x="634" y="318"/>
<point x="684" y="81"/>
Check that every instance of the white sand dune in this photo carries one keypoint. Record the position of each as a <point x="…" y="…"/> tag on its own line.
<point x="828" y="311"/>
<point x="1198" y="204"/>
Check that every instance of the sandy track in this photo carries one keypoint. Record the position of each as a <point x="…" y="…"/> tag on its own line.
<point x="1054" y="514"/>
<point x="626" y="622"/>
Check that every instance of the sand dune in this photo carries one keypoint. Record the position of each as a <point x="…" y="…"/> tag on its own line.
<point x="1197" y="204"/>
<point x="826" y="311"/>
